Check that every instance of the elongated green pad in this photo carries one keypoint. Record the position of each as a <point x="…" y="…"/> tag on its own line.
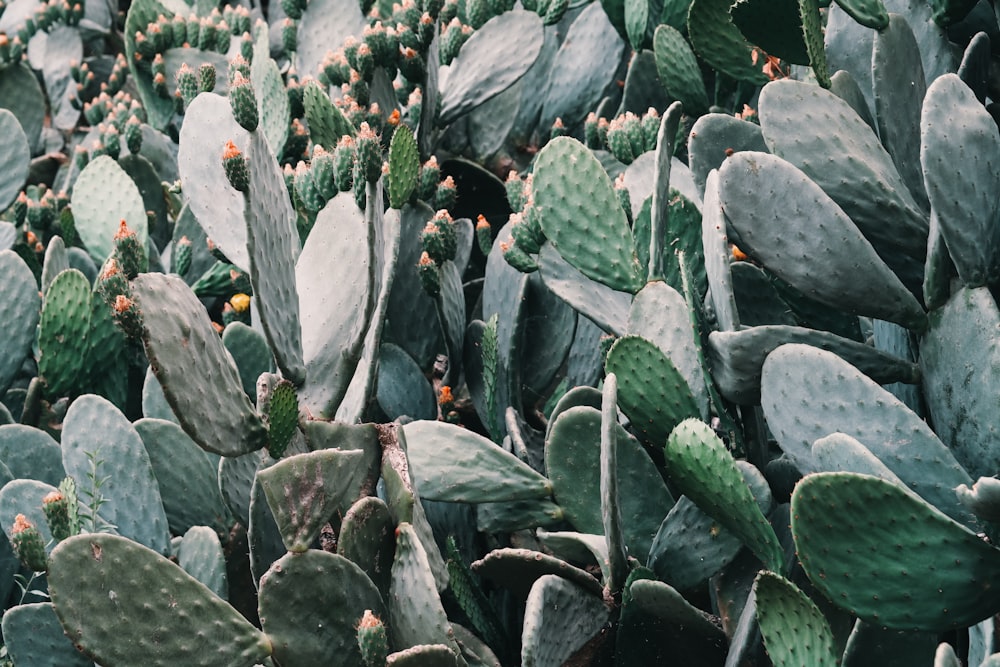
<point x="367" y="538"/>
<point x="124" y="604"/>
<point x="20" y="305"/>
<point x="198" y="376"/>
<point x="17" y="156"/>
<point x="518" y="569"/>
<point x="659" y="599"/>
<point x="581" y="215"/>
<point x="201" y="556"/>
<point x="414" y="604"/>
<point x="327" y="123"/>
<point x="606" y="307"/>
<point x="573" y="463"/>
<point x="323" y="23"/>
<point x="678" y="69"/>
<point x="404" y="163"/>
<point x="794" y="629"/>
<point x="336" y="287"/>
<point x="33" y="636"/>
<point x="187" y="476"/>
<point x="477" y="75"/>
<point x="611" y="510"/>
<point x="310" y="605"/>
<point x="248" y="348"/>
<point x="966" y="207"/>
<point x="94" y="429"/>
<point x="701" y="466"/>
<point x="652" y="392"/>
<point x="737" y="358"/>
<point x="217" y="206"/>
<point x="140" y="14"/>
<point x="273" y="244"/>
<point x="959" y="356"/>
<point x="454" y="464"/>
<point x="848" y="162"/>
<point x="720" y="43"/>
<point x="305" y="490"/>
<point x="890" y="558"/>
<point x="62" y="333"/>
<point x="712" y="138"/>
<point x="31" y="453"/>
<point x="559" y="618"/>
<point x="269" y="88"/>
<point x="869" y="13"/>
<point x="828" y="258"/>
<point x="103" y="196"/>
<point x="808" y="393"/>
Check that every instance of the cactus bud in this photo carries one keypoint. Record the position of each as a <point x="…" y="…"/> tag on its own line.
<point x="293" y="8"/>
<point x="289" y="36"/>
<point x="206" y="78"/>
<point x="56" y="508"/>
<point x="555" y="11"/>
<point x="187" y="84"/>
<point x="133" y="135"/>
<point x="439" y="239"/>
<point x="129" y="251"/>
<point x="516" y="257"/>
<point x="515" y="191"/>
<point x="430" y="176"/>
<point x="430" y="274"/>
<point x="28" y="544"/>
<point x="305" y="188"/>
<point x="343" y="163"/>
<point x="650" y="129"/>
<point x="624" y="197"/>
<point x="236" y="167"/>
<point x="182" y="256"/>
<point x="412" y="65"/>
<point x="21" y="208"/>
<point x="477" y="12"/>
<point x="446" y="194"/>
<point x="452" y="39"/>
<point x="526" y="231"/>
<point x="126" y="315"/>
<point x="369" y="153"/>
<point x="484" y="234"/>
<point x="322" y="167"/>
<point x="244" y="102"/>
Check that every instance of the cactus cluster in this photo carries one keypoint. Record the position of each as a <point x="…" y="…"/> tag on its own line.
<point x="710" y="380"/>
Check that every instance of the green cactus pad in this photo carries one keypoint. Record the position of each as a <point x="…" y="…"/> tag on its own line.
<point x="33" y="636"/>
<point x="217" y="206"/>
<point x="31" y="453"/>
<point x="20" y="305"/>
<point x="661" y="600"/>
<point x="305" y="490"/>
<point x="572" y="461"/>
<point x="608" y="308"/>
<point x="611" y="506"/>
<point x="198" y="376"/>
<point x="107" y="354"/>
<point x="581" y="69"/>
<point x="414" y="605"/>
<point x="272" y="242"/>
<point x="715" y="246"/>
<point x="873" y="644"/>
<point x="713" y="138"/>
<point x="959" y="356"/>
<point x="587" y="550"/>
<point x="899" y="88"/>
<point x="831" y="260"/>
<point x="265" y="542"/>
<point x="23" y="96"/>
<point x="272" y="98"/>
<point x="154" y="403"/>
<point x="159" y="110"/>
<point x="869" y="13"/>
<point x="310" y="605"/>
<point x="248" y="348"/>
<point x="690" y="546"/>
<point x="737" y="358"/>
<point x="103" y="196"/>
<point x="848" y="162"/>
<point x="808" y="393"/>
<point x="323" y="23"/>
<point x="774" y="27"/>
<point x="201" y="556"/>
<point x="282" y="418"/>
<point x="678" y="69"/>
<point x="965" y="206"/>
<point x="125" y="604"/>
<point x="660" y="315"/>
<point x="701" y="466"/>
<point x="869" y="565"/>
<point x="367" y="538"/>
<point x="423" y="655"/>
<point x="794" y="629"/>
<point x="518" y="569"/>
<point x="327" y="123"/>
<point x="582" y="217"/>
<point x="454" y="464"/>
<point x="846" y="87"/>
<point x="336" y="285"/>
<point x="839" y="452"/>
<point x="720" y="43"/>
<point x="187" y="476"/>
<point x="477" y="75"/>
<point x="94" y="429"/>
<point x="62" y="333"/>
<point x="17" y="156"/>
<point x="508" y="517"/>
<point x="404" y="162"/>
<point x="559" y="618"/>
<point x="652" y="392"/>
